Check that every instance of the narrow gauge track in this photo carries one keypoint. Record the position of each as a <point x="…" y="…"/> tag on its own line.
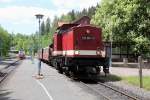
<point x="108" y="92"/>
<point x="4" y="72"/>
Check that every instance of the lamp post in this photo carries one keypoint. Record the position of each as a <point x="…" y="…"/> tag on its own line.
<point x="39" y="17"/>
<point x="1" y="49"/>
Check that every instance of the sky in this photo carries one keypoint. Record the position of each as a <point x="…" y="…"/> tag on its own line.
<point x="18" y="16"/>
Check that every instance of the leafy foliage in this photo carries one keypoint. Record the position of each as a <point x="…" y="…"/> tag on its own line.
<point x="125" y="21"/>
<point x="72" y="16"/>
<point x="4" y="41"/>
<point x="48" y="26"/>
<point x="33" y="42"/>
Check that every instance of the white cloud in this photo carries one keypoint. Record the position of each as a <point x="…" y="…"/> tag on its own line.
<point x="15" y="13"/>
<point x="14" y="17"/>
<point x="75" y="4"/>
<point x="5" y="1"/>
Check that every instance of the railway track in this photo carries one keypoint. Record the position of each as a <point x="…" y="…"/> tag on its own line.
<point x="4" y="72"/>
<point x="108" y="92"/>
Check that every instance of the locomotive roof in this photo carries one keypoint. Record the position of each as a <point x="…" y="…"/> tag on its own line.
<point x="66" y="26"/>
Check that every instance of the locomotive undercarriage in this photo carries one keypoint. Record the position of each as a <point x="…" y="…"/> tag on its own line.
<point x="82" y="68"/>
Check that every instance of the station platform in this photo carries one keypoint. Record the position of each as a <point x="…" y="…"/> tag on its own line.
<point x="23" y="85"/>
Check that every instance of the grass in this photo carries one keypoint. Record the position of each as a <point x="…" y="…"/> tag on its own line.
<point x="134" y="80"/>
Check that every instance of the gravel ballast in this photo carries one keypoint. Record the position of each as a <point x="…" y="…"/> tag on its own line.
<point x="132" y="90"/>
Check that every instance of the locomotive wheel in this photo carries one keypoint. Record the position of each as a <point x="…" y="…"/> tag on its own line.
<point x="106" y="74"/>
<point x="98" y="69"/>
<point x="71" y="74"/>
<point x="67" y="72"/>
<point x="106" y="71"/>
<point x="56" y="65"/>
<point x="60" y="70"/>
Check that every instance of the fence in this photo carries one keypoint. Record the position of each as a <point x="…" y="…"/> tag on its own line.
<point x="124" y="50"/>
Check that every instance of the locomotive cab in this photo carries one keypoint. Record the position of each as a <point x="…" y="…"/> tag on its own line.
<point x="83" y="50"/>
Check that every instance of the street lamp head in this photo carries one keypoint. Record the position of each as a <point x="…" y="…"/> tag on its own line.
<point x="39" y="16"/>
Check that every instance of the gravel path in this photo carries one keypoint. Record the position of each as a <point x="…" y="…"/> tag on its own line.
<point x="120" y="71"/>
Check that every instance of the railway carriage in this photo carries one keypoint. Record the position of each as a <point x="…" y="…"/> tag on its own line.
<point x="40" y="54"/>
<point x="21" y="54"/>
<point x="45" y="56"/>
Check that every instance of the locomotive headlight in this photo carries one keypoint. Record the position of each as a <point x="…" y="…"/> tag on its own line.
<point x="76" y="52"/>
<point x="103" y="53"/>
<point x="93" y="70"/>
<point x="98" y="52"/>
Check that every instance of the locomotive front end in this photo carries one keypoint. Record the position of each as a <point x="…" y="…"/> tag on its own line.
<point x="84" y="50"/>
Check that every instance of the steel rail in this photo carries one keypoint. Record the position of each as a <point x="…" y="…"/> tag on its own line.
<point x="95" y="91"/>
<point x="4" y="75"/>
<point x="121" y="92"/>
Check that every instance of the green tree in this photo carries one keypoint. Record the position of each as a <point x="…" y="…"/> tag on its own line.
<point x="4" y="41"/>
<point x="43" y="28"/>
<point x="54" y="24"/>
<point x="72" y="15"/>
<point x="91" y="11"/>
<point x="48" y="26"/>
<point x="124" y="20"/>
<point x="66" y="18"/>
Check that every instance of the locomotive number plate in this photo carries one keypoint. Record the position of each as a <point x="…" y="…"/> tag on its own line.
<point x="87" y="38"/>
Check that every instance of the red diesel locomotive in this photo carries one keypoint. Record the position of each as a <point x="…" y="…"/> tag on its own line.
<point x="77" y="50"/>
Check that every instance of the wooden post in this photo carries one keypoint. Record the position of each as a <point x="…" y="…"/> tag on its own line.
<point x="140" y="71"/>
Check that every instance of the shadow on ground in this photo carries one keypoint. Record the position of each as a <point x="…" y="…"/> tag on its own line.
<point x="4" y="95"/>
<point x="103" y="78"/>
<point x="109" y="78"/>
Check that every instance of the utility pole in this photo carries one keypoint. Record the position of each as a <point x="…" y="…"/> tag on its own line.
<point x="111" y="49"/>
<point x="39" y="17"/>
<point x="140" y="71"/>
<point x="111" y="42"/>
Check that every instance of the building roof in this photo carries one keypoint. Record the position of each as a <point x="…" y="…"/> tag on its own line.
<point x="81" y="19"/>
<point x="84" y="20"/>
